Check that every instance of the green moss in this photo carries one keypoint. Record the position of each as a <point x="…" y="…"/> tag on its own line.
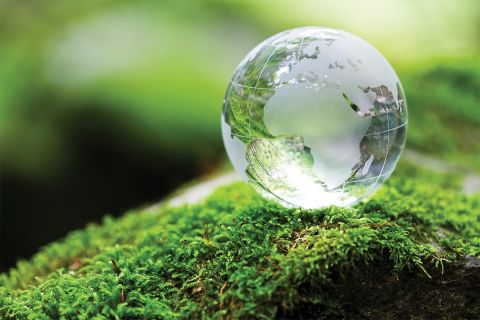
<point x="239" y="256"/>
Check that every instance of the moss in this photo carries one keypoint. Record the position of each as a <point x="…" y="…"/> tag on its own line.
<point x="238" y="256"/>
<point x="412" y="249"/>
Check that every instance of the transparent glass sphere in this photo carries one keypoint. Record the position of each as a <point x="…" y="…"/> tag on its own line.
<point x="314" y="117"/>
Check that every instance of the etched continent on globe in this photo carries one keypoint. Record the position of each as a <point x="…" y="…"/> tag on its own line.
<point x="314" y="117"/>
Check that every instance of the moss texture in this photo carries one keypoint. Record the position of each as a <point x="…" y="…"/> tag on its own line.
<point x="411" y="251"/>
<point x="239" y="256"/>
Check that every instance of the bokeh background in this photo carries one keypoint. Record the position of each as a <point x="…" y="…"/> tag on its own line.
<point x="109" y="105"/>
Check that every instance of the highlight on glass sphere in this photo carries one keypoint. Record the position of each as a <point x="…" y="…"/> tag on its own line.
<point x="314" y="117"/>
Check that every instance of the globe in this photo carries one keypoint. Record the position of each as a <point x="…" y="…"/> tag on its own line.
<point x="314" y="117"/>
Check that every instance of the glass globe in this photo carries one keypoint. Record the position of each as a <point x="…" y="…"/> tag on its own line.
<point x="314" y="117"/>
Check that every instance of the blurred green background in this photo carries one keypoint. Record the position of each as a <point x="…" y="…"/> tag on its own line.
<point x="108" y="105"/>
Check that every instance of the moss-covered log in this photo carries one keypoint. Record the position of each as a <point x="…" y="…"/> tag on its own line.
<point x="409" y="252"/>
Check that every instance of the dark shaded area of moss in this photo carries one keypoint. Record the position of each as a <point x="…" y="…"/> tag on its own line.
<point x="373" y="292"/>
<point x="239" y="256"/>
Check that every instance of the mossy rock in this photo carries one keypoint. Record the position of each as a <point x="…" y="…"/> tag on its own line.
<point x="410" y="252"/>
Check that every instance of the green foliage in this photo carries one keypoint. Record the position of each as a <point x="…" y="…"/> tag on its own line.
<point x="238" y="256"/>
<point x="443" y="111"/>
